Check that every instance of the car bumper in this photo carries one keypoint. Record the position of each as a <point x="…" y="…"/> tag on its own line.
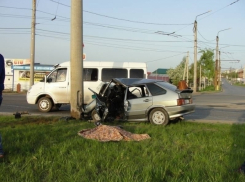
<point x="31" y="99"/>
<point x="178" y="111"/>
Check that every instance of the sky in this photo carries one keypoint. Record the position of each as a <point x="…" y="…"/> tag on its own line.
<point x="157" y="32"/>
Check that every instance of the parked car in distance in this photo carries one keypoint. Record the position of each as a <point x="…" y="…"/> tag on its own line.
<point x="136" y="99"/>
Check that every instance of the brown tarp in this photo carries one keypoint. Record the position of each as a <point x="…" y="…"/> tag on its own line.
<point x="107" y="133"/>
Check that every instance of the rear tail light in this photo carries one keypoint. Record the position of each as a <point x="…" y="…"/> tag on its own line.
<point x="183" y="101"/>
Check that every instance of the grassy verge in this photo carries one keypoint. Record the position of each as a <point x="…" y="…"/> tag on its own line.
<point x="239" y="84"/>
<point x="49" y="149"/>
<point x="208" y="88"/>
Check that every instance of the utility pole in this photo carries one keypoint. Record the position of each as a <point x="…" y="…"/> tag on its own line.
<point x="33" y="30"/>
<point x="195" y="53"/>
<point x="184" y="70"/>
<point x="219" y="73"/>
<point x="195" y="58"/>
<point x="216" y="64"/>
<point x="200" y="79"/>
<point x="76" y="59"/>
<point x="187" y="68"/>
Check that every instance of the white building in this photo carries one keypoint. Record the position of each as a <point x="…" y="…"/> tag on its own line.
<point x="17" y="71"/>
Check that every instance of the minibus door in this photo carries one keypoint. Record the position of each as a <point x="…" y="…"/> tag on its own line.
<point x="57" y="85"/>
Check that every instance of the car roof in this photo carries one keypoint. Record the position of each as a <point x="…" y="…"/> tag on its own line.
<point x="134" y="81"/>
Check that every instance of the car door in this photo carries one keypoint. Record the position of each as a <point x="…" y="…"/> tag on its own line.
<point x="139" y="101"/>
<point x="57" y="85"/>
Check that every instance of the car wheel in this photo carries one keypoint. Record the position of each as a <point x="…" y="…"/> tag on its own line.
<point x="45" y="104"/>
<point x="159" y="117"/>
<point x="95" y="116"/>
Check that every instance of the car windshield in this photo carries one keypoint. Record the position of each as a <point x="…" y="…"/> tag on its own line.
<point x="167" y="85"/>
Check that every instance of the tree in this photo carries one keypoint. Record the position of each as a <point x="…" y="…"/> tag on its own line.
<point x="207" y="63"/>
<point x="176" y="74"/>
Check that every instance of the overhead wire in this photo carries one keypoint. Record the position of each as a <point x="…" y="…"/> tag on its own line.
<point x="127" y="20"/>
<point x="121" y="19"/>
<point x="204" y="37"/>
<point x="165" y="57"/>
<point x="209" y="14"/>
<point x="220" y="9"/>
<point x="129" y="47"/>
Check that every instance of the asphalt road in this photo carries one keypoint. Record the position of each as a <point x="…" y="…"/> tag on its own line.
<point x="225" y="107"/>
<point x="14" y="102"/>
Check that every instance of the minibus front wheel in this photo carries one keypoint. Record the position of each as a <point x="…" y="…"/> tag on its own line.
<point x="45" y="104"/>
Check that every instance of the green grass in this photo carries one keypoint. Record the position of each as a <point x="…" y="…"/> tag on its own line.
<point x="49" y="149"/>
<point x="239" y="84"/>
<point x="208" y="88"/>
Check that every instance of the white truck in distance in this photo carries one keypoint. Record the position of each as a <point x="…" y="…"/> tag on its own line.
<point x="54" y="90"/>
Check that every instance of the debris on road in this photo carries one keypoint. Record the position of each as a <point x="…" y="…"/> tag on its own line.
<point x="18" y="114"/>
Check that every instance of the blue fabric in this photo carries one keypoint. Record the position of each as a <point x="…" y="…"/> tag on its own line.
<point x="2" y="77"/>
<point x="1" y="147"/>
<point x="2" y="73"/>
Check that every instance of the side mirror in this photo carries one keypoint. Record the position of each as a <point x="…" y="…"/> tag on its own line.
<point x="48" y="79"/>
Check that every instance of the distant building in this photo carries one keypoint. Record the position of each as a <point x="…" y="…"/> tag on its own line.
<point x="21" y="75"/>
<point x="159" y="74"/>
<point x="9" y="62"/>
<point x="17" y="71"/>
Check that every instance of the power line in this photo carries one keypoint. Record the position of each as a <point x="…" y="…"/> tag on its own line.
<point x="53" y="31"/>
<point x="224" y="44"/>
<point x="210" y="14"/>
<point x="130" y="29"/>
<point x="204" y="37"/>
<point x="158" y="45"/>
<point x="61" y="3"/>
<point x="130" y="47"/>
<point x="15" y="7"/>
<point x="220" y="9"/>
<point x="13" y="28"/>
<point x="166" y="57"/>
<point x="121" y="19"/>
<point x="133" y="40"/>
<point x="52" y="37"/>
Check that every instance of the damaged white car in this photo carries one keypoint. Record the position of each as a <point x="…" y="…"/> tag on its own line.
<point x="135" y="99"/>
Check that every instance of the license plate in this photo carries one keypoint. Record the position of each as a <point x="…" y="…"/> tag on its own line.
<point x="187" y="101"/>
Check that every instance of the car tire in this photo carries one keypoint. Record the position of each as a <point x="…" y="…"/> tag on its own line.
<point x="45" y="104"/>
<point x="159" y="116"/>
<point x="95" y="116"/>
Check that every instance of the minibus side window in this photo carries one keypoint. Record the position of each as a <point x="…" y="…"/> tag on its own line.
<point x="90" y="74"/>
<point x="109" y="73"/>
<point x="136" y="73"/>
<point x="58" y="75"/>
<point x="61" y="75"/>
<point x="52" y="76"/>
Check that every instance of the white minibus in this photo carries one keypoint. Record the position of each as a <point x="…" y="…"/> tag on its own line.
<point x="54" y="91"/>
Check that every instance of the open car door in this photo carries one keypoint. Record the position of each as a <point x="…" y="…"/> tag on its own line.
<point x="139" y="101"/>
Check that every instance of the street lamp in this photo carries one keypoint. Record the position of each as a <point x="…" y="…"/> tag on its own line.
<point x="217" y="62"/>
<point x="195" y="53"/>
<point x="219" y="69"/>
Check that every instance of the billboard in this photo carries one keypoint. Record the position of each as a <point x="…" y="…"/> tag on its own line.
<point x="38" y="76"/>
<point x="11" y="62"/>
